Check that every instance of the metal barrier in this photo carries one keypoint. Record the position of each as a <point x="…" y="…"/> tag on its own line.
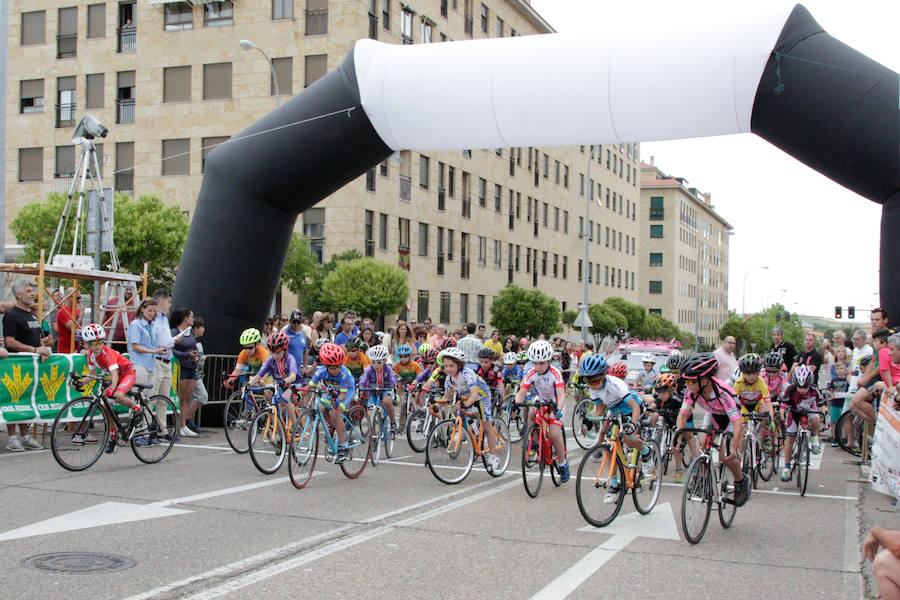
<point x="214" y="366"/>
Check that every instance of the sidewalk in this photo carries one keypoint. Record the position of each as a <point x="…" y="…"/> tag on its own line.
<point x="873" y="509"/>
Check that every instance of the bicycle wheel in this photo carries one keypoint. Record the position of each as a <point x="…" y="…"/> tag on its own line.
<point x="502" y="450"/>
<point x="584" y="430"/>
<point x="358" y="441"/>
<point x="646" y="494"/>
<point x="598" y="501"/>
<point x="665" y="441"/>
<point x="304" y="450"/>
<point x="267" y="441"/>
<point x="554" y="468"/>
<point x="767" y="460"/>
<point x="416" y="431"/>
<point x="80" y="417"/>
<point x="449" y="452"/>
<point x="747" y="462"/>
<point x="237" y="417"/>
<point x="696" y="500"/>
<point x="532" y="461"/>
<point x="849" y="431"/>
<point x="516" y="424"/>
<point x="802" y="463"/>
<point x="148" y="441"/>
<point x="377" y="438"/>
<point x="727" y="510"/>
<point x="388" y="441"/>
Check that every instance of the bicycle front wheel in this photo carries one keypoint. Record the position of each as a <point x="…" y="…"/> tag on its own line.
<point x="600" y="486"/>
<point x="766" y="466"/>
<point x="359" y="441"/>
<point x="696" y="500"/>
<point x="748" y="462"/>
<point x="727" y="510"/>
<point x="802" y="463"/>
<point x="267" y="441"/>
<point x="501" y="450"/>
<point x="849" y="431"/>
<point x="584" y="429"/>
<point x="148" y="440"/>
<point x="646" y="493"/>
<point x="237" y="417"/>
<point x="304" y="450"/>
<point x="555" y="475"/>
<point x="449" y="452"/>
<point x="417" y="429"/>
<point x="79" y="420"/>
<point x="377" y="428"/>
<point x="533" y="463"/>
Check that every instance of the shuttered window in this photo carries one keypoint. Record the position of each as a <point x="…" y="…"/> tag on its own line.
<point x="96" y="21"/>
<point x="31" y="96"/>
<point x="33" y="27"/>
<point x="31" y="164"/>
<point x="177" y="84"/>
<point x="176" y="158"/>
<point x="94" y="85"/>
<point x="217" y="81"/>
<point x="68" y="21"/>
<point x="208" y="143"/>
<point x="284" y="72"/>
<point x="316" y="65"/>
<point x="65" y="161"/>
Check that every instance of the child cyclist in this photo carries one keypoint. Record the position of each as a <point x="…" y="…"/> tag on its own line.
<point x="377" y="376"/>
<point x="281" y="366"/>
<point x="722" y="414"/>
<point x="606" y="390"/>
<point x="491" y="374"/>
<point x="472" y="391"/>
<point x="406" y="369"/>
<point x="774" y="377"/>
<point x="356" y="360"/>
<point x="334" y="373"/>
<point x="665" y="399"/>
<point x="545" y="382"/>
<point x="251" y="357"/>
<point x="512" y="372"/>
<point x="121" y="377"/>
<point x="753" y="394"/>
<point x="647" y="377"/>
<point x="800" y="394"/>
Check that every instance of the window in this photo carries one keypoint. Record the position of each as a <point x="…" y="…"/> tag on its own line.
<point x="445" y="307"/>
<point x="422" y="306"/>
<point x="31" y="96"/>
<point x="482" y="250"/>
<point x="498" y="197"/>
<point x="543" y="263"/>
<point x="316" y="17"/>
<point x="33" y="27"/>
<point x="206" y="146"/>
<point x="580" y="269"/>
<point x="65" y="161"/>
<point x="451" y="181"/>
<point x="556" y="218"/>
<point x="370" y="180"/>
<point x="125" y="97"/>
<point x="656" y="259"/>
<point x="94" y="84"/>
<point x="176" y="158"/>
<point x="384" y="168"/>
<point x="581" y="184"/>
<point x="440" y="251"/>
<point x="404" y="232"/>
<point x="444" y="8"/>
<point x="218" y="14"/>
<point x="314" y="229"/>
<point x="217" y="81"/>
<point x="427" y="29"/>
<point x="177" y="84"/>
<point x="67" y="40"/>
<point x="657" y="212"/>
<point x="386" y="14"/>
<point x="655" y="311"/>
<point x="565" y="221"/>
<point x="590" y="272"/>
<point x="482" y="192"/>
<point x="556" y="265"/>
<point x="423" y="239"/>
<point x="282" y="9"/>
<point x="124" y="166"/>
<point x="546" y="215"/>
<point x="464" y="308"/>
<point x="424" y="165"/>
<point x="406" y="18"/>
<point x="450" y="244"/>
<point x="607" y="238"/>
<point x="656" y="231"/>
<point x="480" y="308"/>
<point x="316" y="66"/>
<point x="580" y="227"/>
<point x="655" y="287"/>
<point x="31" y="164"/>
<point x="178" y="15"/>
<point x="284" y="74"/>
<point x="500" y="27"/>
<point x="370" y="234"/>
<point x="382" y="231"/>
<point x="498" y="253"/>
<point x="65" y="102"/>
<point x="467" y="22"/>
<point x="96" y="25"/>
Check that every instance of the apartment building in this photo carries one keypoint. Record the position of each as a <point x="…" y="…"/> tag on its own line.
<point x="685" y="249"/>
<point x="171" y="81"/>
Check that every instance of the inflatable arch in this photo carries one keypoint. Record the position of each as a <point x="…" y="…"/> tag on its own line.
<point x="772" y="72"/>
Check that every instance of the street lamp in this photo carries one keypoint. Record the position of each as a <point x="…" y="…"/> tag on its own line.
<point x="744" y="303"/>
<point x="766" y="308"/>
<point x="248" y="45"/>
<point x="583" y="316"/>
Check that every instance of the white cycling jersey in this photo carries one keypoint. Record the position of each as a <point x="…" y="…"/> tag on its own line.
<point x="544" y="384"/>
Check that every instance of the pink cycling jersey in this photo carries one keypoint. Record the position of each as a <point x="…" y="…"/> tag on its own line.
<point x="723" y="404"/>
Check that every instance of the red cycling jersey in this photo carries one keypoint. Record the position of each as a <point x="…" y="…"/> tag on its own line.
<point x="109" y="360"/>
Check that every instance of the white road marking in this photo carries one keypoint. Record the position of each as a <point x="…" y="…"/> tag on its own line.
<point x="203" y="447"/>
<point x="26" y="453"/>
<point x="853" y="579"/>
<point x="778" y="492"/>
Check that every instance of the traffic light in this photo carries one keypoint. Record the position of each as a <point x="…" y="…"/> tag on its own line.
<point x="837" y="312"/>
<point x="851" y="312"/>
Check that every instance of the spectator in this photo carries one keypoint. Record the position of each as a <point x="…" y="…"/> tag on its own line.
<point x="322" y="329"/>
<point x="863" y="383"/>
<point x="185" y="350"/>
<point x="142" y="349"/>
<point x="887" y="369"/>
<point x="839" y="338"/>
<point x="279" y="322"/>
<point x="480" y="333"/>
<point x="367" y="335"/>
<point x="827" y="364"/>
<point x="861" y="349"/>
<point x="22" y="333"/>
<point x="470" y="345"/>
<point x="894" y="345"/>
<point x="268" y="328"/>
<point x="51" y="316"/>
<point x="162" y="338"/>
<point x="886" y="564"/>
<point x="785" y="349"/>
<point x="511" y="344"/>
<point x="421" y="337"/>
<point x="726" y="358"/>
<point x="878" y="318"/>
<point x="346" y="332"/>
<point x="351" y="314"/>
<point x="200" y="397"/>
<point x="402" y="336"/>
<point x="494" y="344"/>
<point x="809" y="357"/>
<point x="439" y="337"/>
<point x="304" y="325"/>
<point x="67" y="324"/>
<point x="299" y="343"/>
<point x="841" y="355"/>
<point x="129" y="312"/>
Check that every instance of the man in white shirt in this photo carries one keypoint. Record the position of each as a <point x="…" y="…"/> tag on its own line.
<point x="727" y="360"/>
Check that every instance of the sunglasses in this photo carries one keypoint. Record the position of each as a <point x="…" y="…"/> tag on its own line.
<point x="330" y="367"/>
<point x="250" y="348"/>
<point x="429" y="362"/>
<point x="377" y="362"/>
<point x="96" y="344"/>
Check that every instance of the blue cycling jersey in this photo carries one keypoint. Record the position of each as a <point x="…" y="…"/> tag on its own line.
<point x="343" y="380"/>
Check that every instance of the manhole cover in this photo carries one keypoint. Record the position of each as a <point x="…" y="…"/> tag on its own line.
<point x="78" y="562"/>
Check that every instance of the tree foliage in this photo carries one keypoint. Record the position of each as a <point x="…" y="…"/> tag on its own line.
<point x="530" y="313"/>
<point x="313" y="297"/>
<point x="754" y="334"/>
<point x="366" y="285"/>
<point x="568" y="317"/>
<point x="300" y="266"/>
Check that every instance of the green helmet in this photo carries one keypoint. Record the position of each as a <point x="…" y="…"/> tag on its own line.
<point x="439" y="359"/>
<point x="250" y="336"/>
<point x="424" y="347"/>
<point x="522" y="356"/>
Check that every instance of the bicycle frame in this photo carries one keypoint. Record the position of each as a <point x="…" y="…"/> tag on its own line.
<point x="545" y="445"/>
<point x="332" y="441"/>
<point x="616" y="451"/>
<point x="706" y="455"/>
<point x="467" y="420"/>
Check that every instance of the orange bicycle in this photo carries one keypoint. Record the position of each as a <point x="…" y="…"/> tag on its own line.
<point x="600" y="496"/>
<point x="538" y="451"/>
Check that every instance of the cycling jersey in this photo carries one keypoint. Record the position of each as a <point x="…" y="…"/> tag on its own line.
<point x="109" y="360"/>
<point x="724" y="403"/>
<point x="279" y="369"/>
<point x="612" y="393"/>
<point x="544" y="384"/>
<point x="775" y="384"/>
<point x="514" y="373"/>
<point x="344" y="381"/>
<point x="385" y="378"/>
<point x="751" y="394"/>
<point x="792" y="400"/>
<point x="646" y="378"/>
<point x="464" y="382"/>
<point x="356" y="367"/>
<point x="252" y="362"/>
<point x="408" y="372"/>
<point x="491" y="376"/>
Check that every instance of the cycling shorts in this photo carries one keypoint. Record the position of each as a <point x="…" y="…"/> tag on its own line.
<point x="622" y="408"/>
<point x="717" y="422"/>
<point x="126" y="381"/>
<point x="376" y="398"/>
<point x="750" y="407"/>
<point x="483" y="408"/>
<point x="792" y="420"/>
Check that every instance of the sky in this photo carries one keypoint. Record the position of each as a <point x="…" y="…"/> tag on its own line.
<point x="786" y="216"/>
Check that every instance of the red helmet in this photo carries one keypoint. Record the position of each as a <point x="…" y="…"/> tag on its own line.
<point x="430" y="356"/>
<point x="279" y="341"/>
<point x="331" y="355"/>
<point x="619" y="369"/>
<point x="450" y="343"/>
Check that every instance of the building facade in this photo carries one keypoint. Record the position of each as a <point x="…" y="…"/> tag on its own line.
<point x="171" y="81"/>
<point x="685" y="248"/>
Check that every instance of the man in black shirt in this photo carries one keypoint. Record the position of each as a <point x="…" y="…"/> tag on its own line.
<point x="785" y="349"/>
<point x="22" y="333"/>
<point x="809" y="357"/>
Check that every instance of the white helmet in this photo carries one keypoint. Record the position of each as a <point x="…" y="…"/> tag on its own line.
<point x="377" y="352"/>
<point x="455" y="354"/>
<point x="647" y="357"/>
<point x="736" y="374"/>
<point x="540" y="351"/>
<point x="509" y="358"/>
<point x="93" y="332"/>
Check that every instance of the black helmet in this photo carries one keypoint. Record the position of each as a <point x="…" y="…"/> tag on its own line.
<point x="773" y="360"/>
<point x="485" y="353"/>
<point x="296" y="315"/>
<point x="353" y="342"/>
<point x="703" y="364"/>
<point x="750" y="363"/>
<point x="676" y="361"/>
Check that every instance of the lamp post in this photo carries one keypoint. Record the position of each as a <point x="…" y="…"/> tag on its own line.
<point x="744" y="302"/>
<point x="585" y="319"/>
<point x="248" y="45"/>
<point x="766" y="307"/>
<point x="697" y="294"/>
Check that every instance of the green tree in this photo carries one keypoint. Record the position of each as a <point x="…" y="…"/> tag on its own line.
<point x="366" y="285"/>
<point x="568" y="317"/>
<point x="524" y="313"/>
<point x="736" y="327"/>
<point x="657" y="327"/>
<point x="606" y="321"/>
<point x="300" y="266"/>
<point x="145" y="230"/>
<point x="313" y="297"/>
<point x="634" y="314"/>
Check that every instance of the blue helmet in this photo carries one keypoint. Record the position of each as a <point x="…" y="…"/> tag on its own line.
<point x="404" y="350"/>
<point x="594" y="364"/>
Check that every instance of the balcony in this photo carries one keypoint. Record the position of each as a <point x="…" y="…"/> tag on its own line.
<point x="127" y="40"/>
<point x="67" y="46"/>
<point x="467" y="206"/>
<point x="469" y="25"/>
<point x="373" y="26"/>
<point x="65" y="115"/>
<point x="442" y="199"/>
<point x="406" y="39"/>
<point x="317" y="21"/>
<point x="406" y="188"/>
<point x="125" y="111"/>
<point x="62" y="183"/>
<point x="125" y="181"/>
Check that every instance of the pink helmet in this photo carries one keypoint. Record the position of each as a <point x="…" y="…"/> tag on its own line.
<point x="523" y="342"/>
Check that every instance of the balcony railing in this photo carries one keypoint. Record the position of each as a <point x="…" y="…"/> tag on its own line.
<point x="467" y="206"/>
<point x="67" y="45"/>
<point x="125" y="111"/>
<point x="405" y="38"/>
<point x="127" y="40"/>
<point x="373" y="26"/>
<point x="317" y="21"/>
<point x="442" y="199"/>
<point x="370" y="247"/>
<point x="468" y="25"/>
<point x="65" y="115"/>
<point x="406" y="188"/>
<point x="62" y="183"/>
<point x="125" y="181"/>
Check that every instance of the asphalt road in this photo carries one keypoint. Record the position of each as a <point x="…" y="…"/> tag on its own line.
<point x="204" y="523"/>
